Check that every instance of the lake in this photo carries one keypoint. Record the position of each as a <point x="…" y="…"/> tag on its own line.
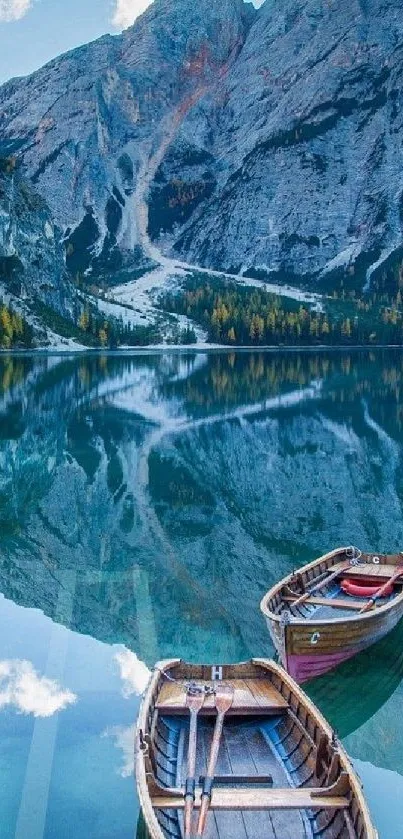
<point x="147" y="502"/>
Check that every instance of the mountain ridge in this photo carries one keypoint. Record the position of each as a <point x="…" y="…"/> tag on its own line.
<point x="261" y="142"/>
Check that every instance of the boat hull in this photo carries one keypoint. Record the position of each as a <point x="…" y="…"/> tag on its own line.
<point x="310" y="644"/>
<point x="305" y="667"/>
<point x="280" y="769"/>
<point x="308" y="649"/>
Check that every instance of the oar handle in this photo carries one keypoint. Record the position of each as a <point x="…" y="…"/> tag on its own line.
<point x="322" y="584"/>
<point x="215" y="745"/>
<point x="191" y="770"/>
<point x="209" y="779"/>
<point x="205" y="803"/>
<point x="189" y="802"/>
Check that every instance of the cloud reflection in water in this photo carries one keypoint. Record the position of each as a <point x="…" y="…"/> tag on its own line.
<point x="124" y="740"/>
<point x="135" y="675"/>
<point x="133" y="672"/>
<point x="28" y="692"/>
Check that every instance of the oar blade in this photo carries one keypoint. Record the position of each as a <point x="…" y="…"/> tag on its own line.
<point x="195" y="701"/>
<point x="381" y="591"/>
<point x="224" y="697"/>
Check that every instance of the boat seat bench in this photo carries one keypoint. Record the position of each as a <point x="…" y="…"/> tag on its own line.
<point x="370" y="571"/>
<point x="251" y="696"/>
<point x="335" y="602"/>
<point x="255" y="799"/>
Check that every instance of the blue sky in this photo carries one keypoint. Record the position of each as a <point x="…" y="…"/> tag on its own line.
<point x="34" y="31"/>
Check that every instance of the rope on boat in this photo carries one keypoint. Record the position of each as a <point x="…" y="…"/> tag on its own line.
<point x="193" y="688"/>
<point x="354" y="555"/>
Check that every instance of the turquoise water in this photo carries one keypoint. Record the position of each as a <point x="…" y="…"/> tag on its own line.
<point x="146" y="504"/>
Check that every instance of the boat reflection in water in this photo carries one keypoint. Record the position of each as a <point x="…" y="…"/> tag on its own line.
<point x="353" y="693"/>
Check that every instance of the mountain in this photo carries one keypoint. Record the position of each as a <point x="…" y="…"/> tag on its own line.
<point x="262" y="142"/>
<point x="32" y="266"/>
<point x="88" y="123"/>
<point x="307" y="149"/>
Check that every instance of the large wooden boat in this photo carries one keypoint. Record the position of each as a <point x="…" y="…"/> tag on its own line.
<point x="279" y="772"/>
<point x="333" y="608"/>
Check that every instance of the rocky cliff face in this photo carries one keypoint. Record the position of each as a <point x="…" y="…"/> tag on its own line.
<point x="243" y="140"/>
<point x="89" y="122"/>
<point x="31" y="256"/>
<point x="307" y="148"/>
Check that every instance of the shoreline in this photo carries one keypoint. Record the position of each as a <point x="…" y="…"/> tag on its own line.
<point x="181" y="349"/>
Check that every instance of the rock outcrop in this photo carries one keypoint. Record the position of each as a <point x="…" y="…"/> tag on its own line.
<point x="32" y="264"/>
<point x="88" y="123"/>
<point x="307" y="148"/>
<point x="255" y="141"/>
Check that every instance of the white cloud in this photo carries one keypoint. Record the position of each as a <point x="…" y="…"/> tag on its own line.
<point x="11" y="10"/>
<point x="29" y="693"/>
<point x="133" y="672"/>
<point x="126" y="11"/>
<point x="124" y="740"/>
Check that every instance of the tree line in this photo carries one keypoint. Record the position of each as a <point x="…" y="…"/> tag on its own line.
<point x="233" y="314"/>
<point x="14" y="330"/>
<point x="113" y="332"/>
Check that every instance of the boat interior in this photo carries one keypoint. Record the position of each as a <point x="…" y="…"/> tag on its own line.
<point x="340" y="587"/>
<point x="278" y="775"/>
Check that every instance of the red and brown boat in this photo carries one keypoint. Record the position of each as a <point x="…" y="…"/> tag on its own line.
<point x="238" y="751"/>
<point x="333" y="608"/>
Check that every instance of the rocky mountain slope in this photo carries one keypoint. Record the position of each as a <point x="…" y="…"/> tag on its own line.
<point x="307" y="149"/>
<point x="89" y="122"/>
<point x="32" y="267"/>
<point x="250" y="141"/>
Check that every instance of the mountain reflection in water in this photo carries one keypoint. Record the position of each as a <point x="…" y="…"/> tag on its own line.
<point x="148" y="501"/>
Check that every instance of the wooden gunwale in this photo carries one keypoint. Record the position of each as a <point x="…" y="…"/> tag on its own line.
<point x="314" y="728"/>
<point x="142" y="771"/>
<point x="364" y="618"/>
<point x="321" y="723"/>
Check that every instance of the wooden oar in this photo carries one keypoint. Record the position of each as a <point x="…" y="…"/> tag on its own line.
<point x="381" y="591"/>
<point x="224" y="698"/>
<point x="323" y="583"/>
<point x="194" y="701"/>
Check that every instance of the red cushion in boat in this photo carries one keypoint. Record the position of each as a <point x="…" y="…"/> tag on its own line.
<point x="361" y="588"/>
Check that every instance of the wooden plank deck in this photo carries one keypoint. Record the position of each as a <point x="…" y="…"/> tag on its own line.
<point x="243" y="751"/>
<point x="250" y="696"/>
<point x="369" y="570"/>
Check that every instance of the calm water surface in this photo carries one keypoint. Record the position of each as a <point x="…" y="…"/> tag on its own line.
<point x="146" y="504"/>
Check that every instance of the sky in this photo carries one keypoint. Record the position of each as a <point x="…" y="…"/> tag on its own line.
<point x="34" y="31"/>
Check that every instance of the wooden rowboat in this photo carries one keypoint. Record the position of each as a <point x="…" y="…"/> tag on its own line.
<point x="280" y="771"/>
<point x="315" y="625"/>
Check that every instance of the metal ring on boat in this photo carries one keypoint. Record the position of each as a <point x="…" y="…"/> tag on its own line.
<point x="143" y="742"/>
<point x="315" y="638"/>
